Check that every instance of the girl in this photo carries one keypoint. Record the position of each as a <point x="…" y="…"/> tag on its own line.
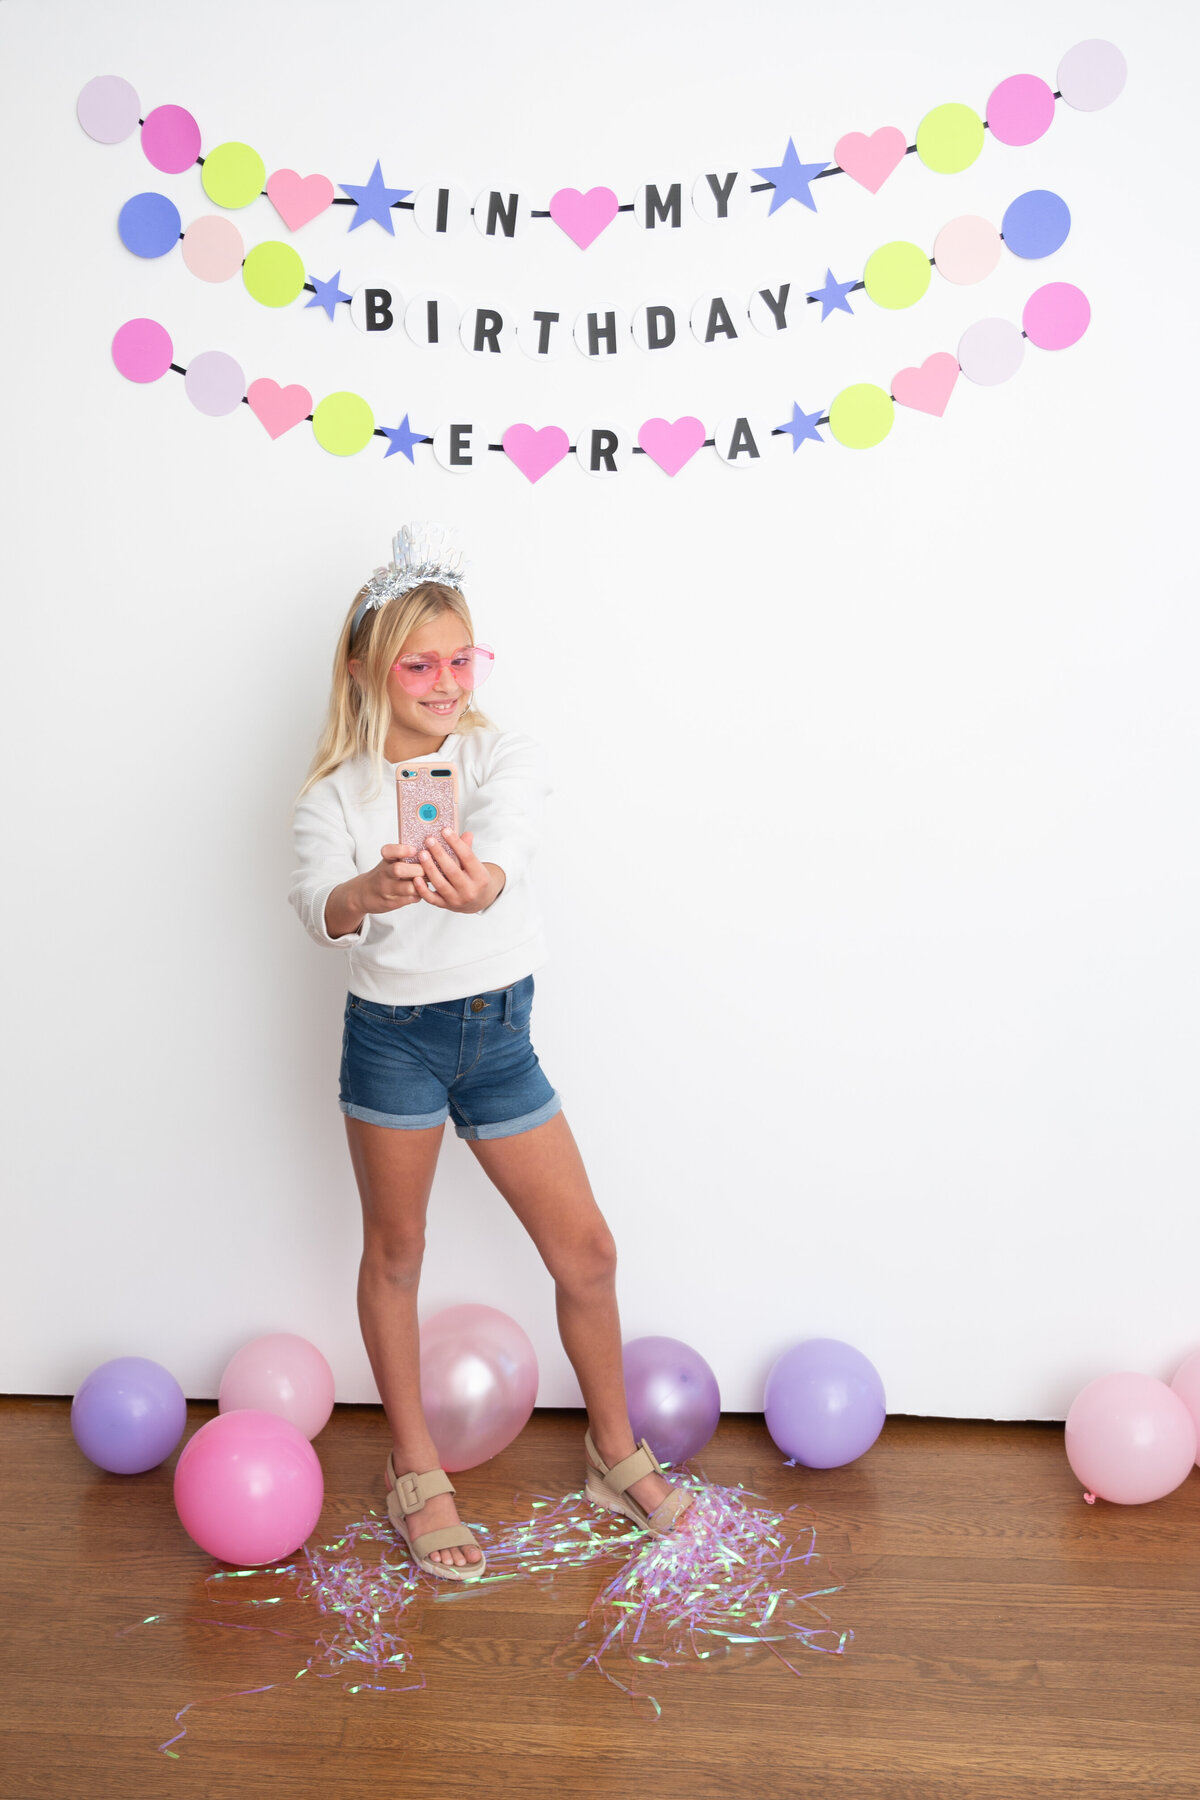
<point x="437" y="1022"/>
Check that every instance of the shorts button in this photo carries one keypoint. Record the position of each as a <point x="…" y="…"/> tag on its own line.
<point x="478" y="1005"/>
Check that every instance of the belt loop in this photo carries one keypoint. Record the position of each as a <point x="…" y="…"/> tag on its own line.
<point x="508" y="1002"/>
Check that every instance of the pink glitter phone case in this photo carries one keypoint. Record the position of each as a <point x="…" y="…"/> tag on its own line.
<point x="426" y="799"/>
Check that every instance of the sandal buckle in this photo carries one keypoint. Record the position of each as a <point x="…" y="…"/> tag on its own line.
<point x="410" y="1493"/>
<point x="658" y="1468"/>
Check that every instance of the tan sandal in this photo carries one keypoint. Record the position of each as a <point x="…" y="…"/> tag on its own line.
<point x="608" y="1487"/>
<point x="408" y="1494"/>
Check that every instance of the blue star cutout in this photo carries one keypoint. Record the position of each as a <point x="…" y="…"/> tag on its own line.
<point x="833" y="296"/>
<point x="802" y="425"/>
<point x="401" y="438"/>
<point x="328" y="293"/>
<point x="374" y="201"/>
<point x="791" y="178"/>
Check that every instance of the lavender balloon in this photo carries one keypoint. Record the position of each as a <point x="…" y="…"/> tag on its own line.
<point x="824" y="1403"/>
<point x="674" y="1400"/>
<point x="128" y="1415"/>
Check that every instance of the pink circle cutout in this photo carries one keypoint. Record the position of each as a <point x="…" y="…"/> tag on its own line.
<point x="142" y="350"/>
<point x="967" y="249"/>
<point x="108" y="109"/>
<point x="171" y="139"/>
<point x="214" y="383"/>
<point x="1020" y="110"/>
<point x="1056" y="316"/>
<point x="213" y="248"/>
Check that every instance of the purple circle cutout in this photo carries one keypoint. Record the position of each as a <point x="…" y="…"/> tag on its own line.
<point x="171" y="139"/>
<point x="148" y="225"/>
<point x="1091" y="75"/>
<point x="990" y="351"/>
<point x="1020" y="109"/>
<point x="108" y="109"/>
<point x="1056" y="316"/>
<point x="142" y="350"/>
<point x="215" y="383"/>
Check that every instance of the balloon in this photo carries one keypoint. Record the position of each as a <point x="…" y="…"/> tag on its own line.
<point x="824" y="1403"/>
<point x="479" y="1380"/>
<point x="281" y="1374"/>
<point x="248" y="1487"/>
<point x="674" y="1400"/>
<point x="1186" y="1383"/>
<point x="128" y="1415"/>
<point x="1129" y="1438"/>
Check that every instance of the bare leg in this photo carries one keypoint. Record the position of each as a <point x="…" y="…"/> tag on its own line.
<point x="541" y="1175"/>
<point x="394" y="1171"/>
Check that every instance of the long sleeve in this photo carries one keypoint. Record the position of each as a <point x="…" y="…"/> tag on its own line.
<point x="324" y="851"/>
<point x="505" y="814"/>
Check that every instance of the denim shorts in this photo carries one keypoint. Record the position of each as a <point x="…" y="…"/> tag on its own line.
<point x="414" y="1066"/>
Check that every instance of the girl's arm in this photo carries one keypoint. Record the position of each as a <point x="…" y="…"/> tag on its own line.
<point x="505" y="815"/>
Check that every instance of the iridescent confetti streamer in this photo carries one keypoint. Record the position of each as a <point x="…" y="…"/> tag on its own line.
<point x="732" y="1577"/>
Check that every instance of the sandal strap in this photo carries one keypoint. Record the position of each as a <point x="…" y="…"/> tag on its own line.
<point x="669" y="1508"/>
<point x="414" y="1489"/>
<point x="631" y="1468"/>
<point x="443" y="1539"/>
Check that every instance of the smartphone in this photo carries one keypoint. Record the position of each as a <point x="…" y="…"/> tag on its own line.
<point x="426" y="799"/>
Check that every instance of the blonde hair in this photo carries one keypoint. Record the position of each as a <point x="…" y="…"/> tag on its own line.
<point x="360" y="713"/>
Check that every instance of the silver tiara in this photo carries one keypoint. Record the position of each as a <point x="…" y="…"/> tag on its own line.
<point x="420" y="552"/>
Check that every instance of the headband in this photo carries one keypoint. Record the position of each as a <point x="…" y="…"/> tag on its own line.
<point x="420" y="553"/>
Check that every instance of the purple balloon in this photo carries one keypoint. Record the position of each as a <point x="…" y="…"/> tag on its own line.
<point x="674" y="1400"/>
<point x="824" y="1403"/>
<point x="128" y="1415"/>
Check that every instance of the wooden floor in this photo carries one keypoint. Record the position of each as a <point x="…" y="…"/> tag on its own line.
<point x="1009" y="1640"/>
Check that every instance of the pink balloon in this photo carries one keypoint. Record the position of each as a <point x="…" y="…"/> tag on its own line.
<point x="282" y="1374"/>
<point x="1186" y="1383"/>
<point x="479" y="1380"/>
<point x="248" y="1488"/>
<point x="1129" y="1438"/>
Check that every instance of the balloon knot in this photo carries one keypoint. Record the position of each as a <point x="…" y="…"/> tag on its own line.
<point x="1090" y="1498"/>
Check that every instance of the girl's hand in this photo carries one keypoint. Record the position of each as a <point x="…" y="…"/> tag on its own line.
<point x="467" y="886"/>
<point x="390" y="883"/>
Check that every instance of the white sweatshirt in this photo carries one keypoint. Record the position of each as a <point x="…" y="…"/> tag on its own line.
<point x="420" y="954"/>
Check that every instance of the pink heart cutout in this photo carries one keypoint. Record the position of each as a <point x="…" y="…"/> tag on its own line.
<point x="535" y="452"/>
<point x="298" y="198"/>
<point x="278" y="408"/>
<point x="584" y="216"/>
<point x="929" y="387"/>
<point x="870" y="160"/>
<point x="671" y="443"/>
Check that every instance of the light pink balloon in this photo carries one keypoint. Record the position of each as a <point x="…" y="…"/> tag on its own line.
<point x="1186" y="1383"/>
<point x="248" y="1488"/>
<point x="1129" y="1438"/>
<point x="282" y="1374"/>
<point x="479" y="1380"/>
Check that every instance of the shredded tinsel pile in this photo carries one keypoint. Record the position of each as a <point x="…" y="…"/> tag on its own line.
<point x="732" y="1576"/>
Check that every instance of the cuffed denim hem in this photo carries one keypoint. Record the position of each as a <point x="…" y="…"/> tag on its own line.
<point x="397" y="1121"/>
<point x="510" y="1127"/>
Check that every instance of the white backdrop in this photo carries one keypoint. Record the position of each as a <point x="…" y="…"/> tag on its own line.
<point x="916" y="1067"/>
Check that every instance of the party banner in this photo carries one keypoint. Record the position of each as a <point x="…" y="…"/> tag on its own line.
<point x="894" y="277"/>
<point x="858" y="417"/>
<point x="1019" y="111"/>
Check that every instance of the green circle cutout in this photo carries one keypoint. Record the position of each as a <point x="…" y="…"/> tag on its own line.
<point x="949" y="138"/>
<point x="861" y="416"/>
<point x="233" y="175"/>
<point x="343" y="424"/>
<point x="897" y="274"/>
<point x="273" y="274"/>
